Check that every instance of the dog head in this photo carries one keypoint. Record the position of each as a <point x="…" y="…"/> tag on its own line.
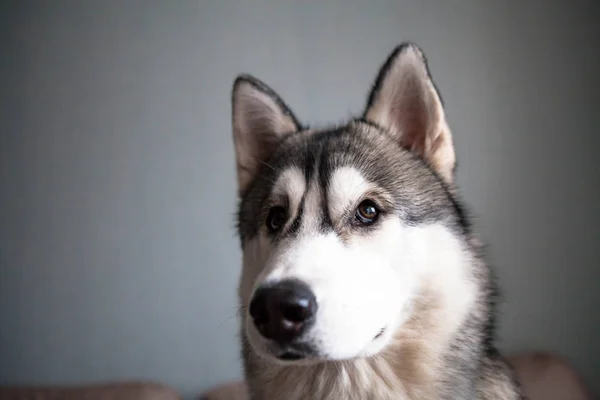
<point x="340" y="227"/>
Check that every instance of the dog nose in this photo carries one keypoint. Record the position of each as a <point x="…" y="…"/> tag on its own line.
<point x="282" y="312"/>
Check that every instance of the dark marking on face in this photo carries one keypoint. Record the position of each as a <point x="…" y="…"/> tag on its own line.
<point x="309" y="162"/>
<point x="417" y="194"/>
<point x="295" y="226"/>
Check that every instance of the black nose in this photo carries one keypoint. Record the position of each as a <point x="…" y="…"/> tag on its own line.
<point x="283" y="311"/>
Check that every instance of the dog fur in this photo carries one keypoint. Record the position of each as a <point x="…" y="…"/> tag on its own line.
<point x="407" y="302"/>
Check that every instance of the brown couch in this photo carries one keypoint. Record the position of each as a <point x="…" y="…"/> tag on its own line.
<point x="543" y="376"/>
<point x="108" y="391"/>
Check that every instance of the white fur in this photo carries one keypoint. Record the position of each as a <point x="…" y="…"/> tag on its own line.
<point x="290" y="185"/>
<point x="346" y="188"/>
<point x="364" y="284"/>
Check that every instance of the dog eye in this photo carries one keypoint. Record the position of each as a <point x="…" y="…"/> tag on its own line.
<point x="276" y="219"/>
<point x="367" y="212"/>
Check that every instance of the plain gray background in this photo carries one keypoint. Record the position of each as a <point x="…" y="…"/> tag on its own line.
<point x="118" y="255"/>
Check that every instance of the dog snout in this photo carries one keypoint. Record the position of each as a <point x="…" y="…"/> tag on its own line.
<point x="282" y="312"/>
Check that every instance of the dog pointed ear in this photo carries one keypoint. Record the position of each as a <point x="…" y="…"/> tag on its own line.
<point x="260" y="119"/>
<point x="405" y="102"/>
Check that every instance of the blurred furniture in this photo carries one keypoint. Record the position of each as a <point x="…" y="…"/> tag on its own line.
<point x="109" y="391"/>
<point x="543" y="376"/>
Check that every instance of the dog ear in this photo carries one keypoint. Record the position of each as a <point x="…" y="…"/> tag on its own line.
<point x="260" y="119"/>
<point x="405" y="102"/>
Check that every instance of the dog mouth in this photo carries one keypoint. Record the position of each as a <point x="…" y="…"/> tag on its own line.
<point x="299" y="354"/>
<point x="295" y="352"/>
<point x="380" y="334"/>
<point x="305" y="352"/>
<point x="291" y="356"/>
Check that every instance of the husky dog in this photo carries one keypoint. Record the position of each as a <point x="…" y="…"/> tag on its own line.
<point x="362" y="278"/>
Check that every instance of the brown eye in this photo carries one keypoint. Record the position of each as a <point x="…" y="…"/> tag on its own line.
<point x="276" y="219"/>
<point x="367" y="212"/>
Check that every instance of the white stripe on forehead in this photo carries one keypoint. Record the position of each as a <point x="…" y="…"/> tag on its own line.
<point x="291" y="185"/>
<point x="346" y="186"/>
<point x="313" y="206"/>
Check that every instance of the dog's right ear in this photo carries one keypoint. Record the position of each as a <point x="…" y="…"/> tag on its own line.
<point x="260" y="119"/>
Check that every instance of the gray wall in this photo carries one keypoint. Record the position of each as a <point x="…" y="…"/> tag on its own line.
<point x="118" y="257"/>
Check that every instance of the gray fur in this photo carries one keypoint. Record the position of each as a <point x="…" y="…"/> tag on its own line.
<point x="470" y="366"/>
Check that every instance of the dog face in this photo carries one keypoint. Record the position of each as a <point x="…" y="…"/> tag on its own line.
<point x="340" y="228"/>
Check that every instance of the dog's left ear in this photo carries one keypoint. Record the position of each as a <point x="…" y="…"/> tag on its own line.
<point x="405" y="102"/>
